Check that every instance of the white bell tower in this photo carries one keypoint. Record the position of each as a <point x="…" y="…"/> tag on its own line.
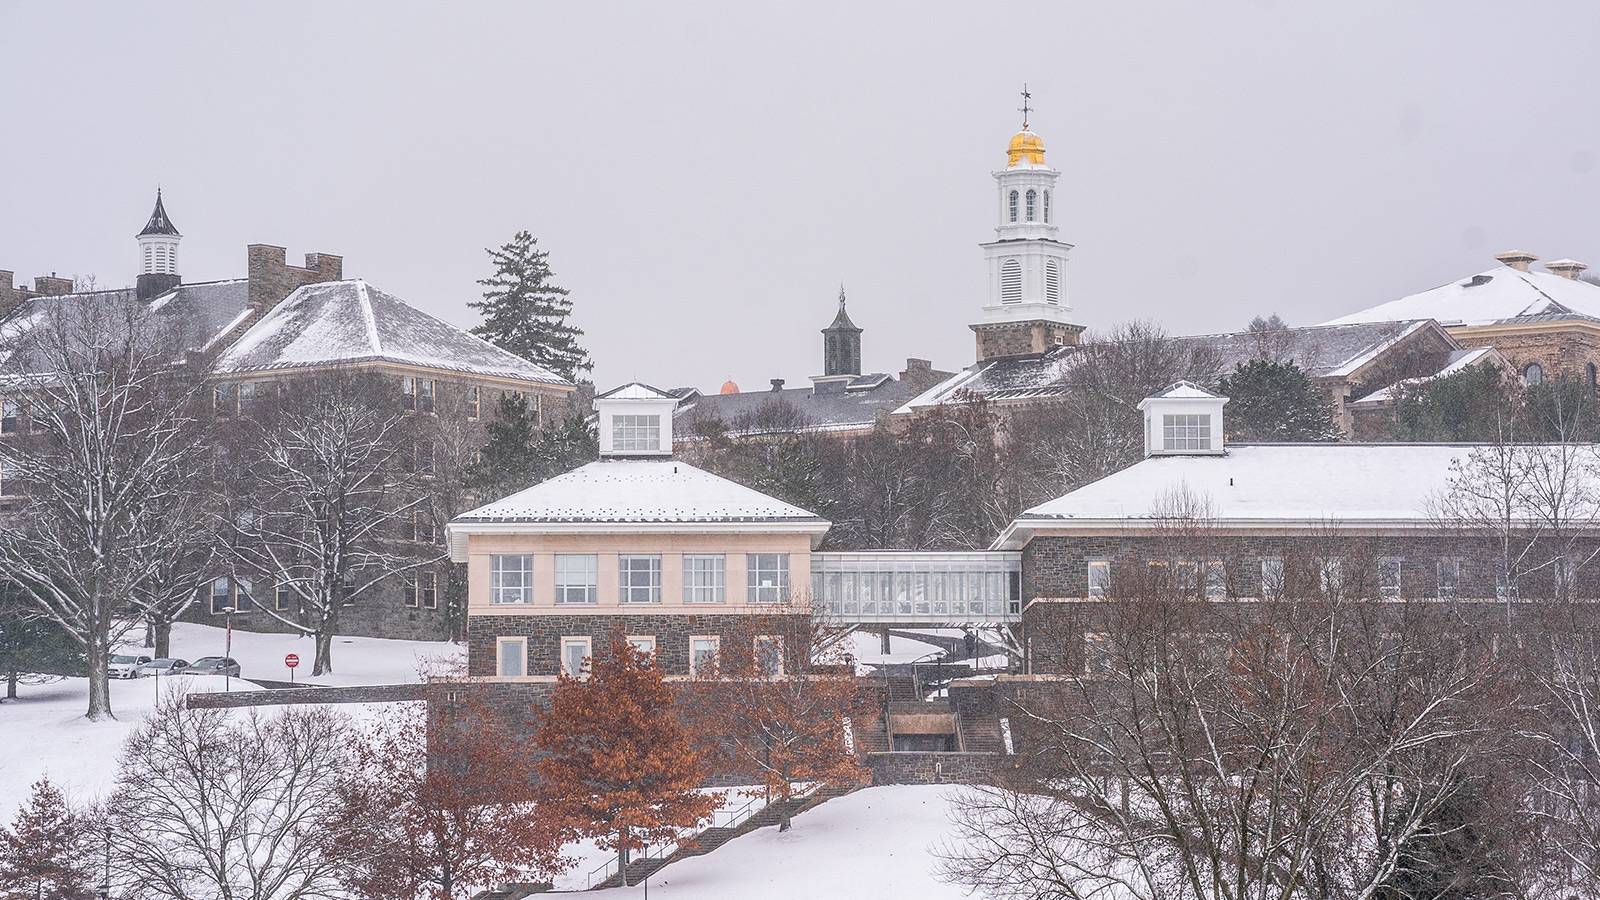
<point x="1027" y="310"/>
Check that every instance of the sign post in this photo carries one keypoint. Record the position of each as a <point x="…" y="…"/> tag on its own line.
<point x="291" y="660"/>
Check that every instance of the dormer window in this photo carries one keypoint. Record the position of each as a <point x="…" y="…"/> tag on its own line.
<point x="1185" y="432"/>
<point x="635" y="434"/>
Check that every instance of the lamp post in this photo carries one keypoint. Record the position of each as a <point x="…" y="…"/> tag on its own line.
<point x="227" y="647"/>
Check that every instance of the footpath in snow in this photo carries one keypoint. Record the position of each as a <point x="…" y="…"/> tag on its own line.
<point x="46" y="733"/>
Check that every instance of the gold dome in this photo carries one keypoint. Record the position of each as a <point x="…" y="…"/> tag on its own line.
<point x="1025" y="147"/>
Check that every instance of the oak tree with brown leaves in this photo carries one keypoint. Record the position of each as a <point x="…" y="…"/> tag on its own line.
<point x="619" y="765"/>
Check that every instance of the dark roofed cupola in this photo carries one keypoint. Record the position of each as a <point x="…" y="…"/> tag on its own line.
<point x="158" y="253"/>
<point x="841" y="344"/>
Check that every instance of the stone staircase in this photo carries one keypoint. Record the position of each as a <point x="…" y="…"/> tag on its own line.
<point x="709" y="839"/>
<point x="513" y="891"/>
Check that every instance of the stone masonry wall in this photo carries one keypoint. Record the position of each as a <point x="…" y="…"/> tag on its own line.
<point x="544" y="634"/>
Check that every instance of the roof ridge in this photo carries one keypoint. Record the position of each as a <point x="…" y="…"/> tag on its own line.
<point x="369" y="317"/>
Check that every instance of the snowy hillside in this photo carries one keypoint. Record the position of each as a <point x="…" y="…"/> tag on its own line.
<point x="48" y="734"/>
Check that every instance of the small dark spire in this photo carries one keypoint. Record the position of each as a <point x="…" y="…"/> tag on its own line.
<point x="841" y="344"/>
<point x="159" y="222"/>
<point x="842" y="320"/>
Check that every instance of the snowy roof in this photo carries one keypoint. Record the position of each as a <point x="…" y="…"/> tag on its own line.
<point x="1184" y="390"/>
<point x="636" y="390"/>
<point x="341" y="322"/>
<point x="639" y="494"/>
<point x="856" y="405"/>
<point x="1324" y="351"/>
<point x="190" y="316"/>
<point x="1458" y="361"/>
<point x="1496" y="295"/>
<point x="1265" y="485"/>
<point x="159" y="222"/>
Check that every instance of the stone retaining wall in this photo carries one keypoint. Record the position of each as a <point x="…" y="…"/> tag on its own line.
<point x="933" y="768"/>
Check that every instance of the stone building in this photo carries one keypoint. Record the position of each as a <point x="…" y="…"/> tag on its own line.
<point x="278" y="330"/>
<point x="1545" y="324"/>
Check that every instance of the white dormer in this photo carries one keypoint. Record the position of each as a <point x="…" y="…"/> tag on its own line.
<point x="1183" y="420"/>
<point x="635" y="420"/>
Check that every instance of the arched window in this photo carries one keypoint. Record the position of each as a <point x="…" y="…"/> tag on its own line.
<point x="1047" y="207"/>
<point x="1033" y="198"/>
<point x="1052" y="281"/>
<point x="1011" y="282"/>
<point x="1594" y="376"/>
<point x="1533" y="374"/>
<point x="1013" y="206"/>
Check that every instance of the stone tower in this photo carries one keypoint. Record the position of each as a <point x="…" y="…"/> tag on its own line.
<point x="158" y="253"/>
<point x="1027" y="309"/>
<point x="841" y="344"/>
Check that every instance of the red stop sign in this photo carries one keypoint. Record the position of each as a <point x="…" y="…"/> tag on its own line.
<point x="292" y="660"/>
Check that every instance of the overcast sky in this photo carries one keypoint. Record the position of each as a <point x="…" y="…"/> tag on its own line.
<point x="705" y="176"/>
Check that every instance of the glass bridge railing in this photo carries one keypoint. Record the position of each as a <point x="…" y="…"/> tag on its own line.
<point x="960" y="588"/>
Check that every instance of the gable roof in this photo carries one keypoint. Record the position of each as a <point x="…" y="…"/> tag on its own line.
<point x="1500" y="294"/>
<point x="342" y="322"/>
<point x="1184" y="390"/>
<point x="636" y="390"/>
<point x="1458" y="361"/>
<point x="1267" y="485"/>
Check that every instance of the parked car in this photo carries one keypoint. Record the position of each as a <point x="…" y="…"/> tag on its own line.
<point x="164" y="666"/>
<point x="214" y="665"/>
<point x="123" y="665"/>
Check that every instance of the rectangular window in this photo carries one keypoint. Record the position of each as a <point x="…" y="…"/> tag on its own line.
<point x="644" y="643"/>
<point x="1389" y="569"/>
<point x="408" y="589"/>
<point x="1502" y="581"/>
<point x="704" y="578"/>
<point x="38" y="415"/>
<point x="577" y="578"/>
<point x="636" y="433"/>
<point x="244" y="595"/>
<point x="1099" y="577"/>
<point x="221" y="596"/>
<point x="639" y="578"/>
<point x="511" y="656"/>
<point x="1566" y="575"/>
<point x="423" y="527"/>
<point x="1187" y="575"/>
<point x="769" y="577"/>
<point x="428" y="590"/>
<point x="425" y="387"/>
<point x="1330" y="575"/>
<point x="1449" y="577"/>
<point x="769" y="655"/>
<point x="575" y="652"/>
<point x="282" y="597"/>
<point x="8" y="478"/>
<point x="424" y="457"/>
<point x="408" y="391"/>
<point x="1216" y="580"/>
<point x="1271" y="577"/>
<point x="225" y="399"/>
<point x="1186" y="431"/>
<point x="474" y="401"/>
<point x="1096" y="654"/>
<point x="703" y="654"/>
<point x="250" y="393"/>
<point x="511" y="578"/>
<point x="10" y="416"/>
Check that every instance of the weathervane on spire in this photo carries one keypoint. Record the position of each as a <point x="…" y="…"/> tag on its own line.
<point x="841" y="296"/>
<point x="1025" y="109"/>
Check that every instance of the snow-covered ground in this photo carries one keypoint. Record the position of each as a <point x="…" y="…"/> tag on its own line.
<point x="876" y="842"/>
<point x="46" y="733"/>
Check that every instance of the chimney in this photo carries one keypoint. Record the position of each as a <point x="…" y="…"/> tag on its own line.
<point x="271" y="278"/>
<point x="51" y="286"/>
<point x="1566" y="268"/>
<point x="777" y="384"/>
<point x="1516" y="259"/>
<point x="9" y="296"/>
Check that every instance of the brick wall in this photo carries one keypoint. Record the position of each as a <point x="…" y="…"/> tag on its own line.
<point x="272" y="278"/>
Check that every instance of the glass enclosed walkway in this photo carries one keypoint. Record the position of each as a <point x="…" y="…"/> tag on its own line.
<point x="913" y="587"/>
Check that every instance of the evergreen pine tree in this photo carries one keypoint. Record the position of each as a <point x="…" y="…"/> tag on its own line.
<point x="524" y="313"/>
<point x="1276" y="401"/>
<point x="31" y="644"/>
<point x="520" y="453"/>
<point x="48" y="852"/>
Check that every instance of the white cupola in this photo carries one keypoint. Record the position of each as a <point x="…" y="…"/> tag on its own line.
<point x="635" y="421"/>
<point x="1027" y="259"/>
<point x="1184" y="419"/>
<point x="158" y="243"/>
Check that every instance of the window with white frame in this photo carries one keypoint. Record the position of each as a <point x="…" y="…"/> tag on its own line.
<point x="1032" y="202"/>
<point x="225" y="399"/>
<point x="408" y="589"/>
<point x="1502" y="581"/>
<point x="704" y="577"/>
<point x="575" y="653"/>
<point x="250" y="396"/>
<point x="1566" y="576"/>
<point x="1096" y="654"/>
<point x="644" y="643"/>
<point x="1047" y="207"/>
<point x="1216" y="580"/>
<point x="1186" y="431"/>
<point x="1187" y="578"/>
<point x="227" y="593"/>
<point x="1011" y="203"/>
<point x="635" y="433"/>
<point x="474" y="401"/>
<point x="425" y="391"/>
<point x="769" y="655"/>
<point x="10" y="416"/>
<point x="639" y="578"/>
<point x="423" y="528"/>
<point x="1448" y="572"/>
<point x="511" y="657"/>
<point x="1271" y="577"/>
<point x="428" y="590"/>
<point x="282" y="597"/>
<point x="577" y="578"/>
<point x="1389" y="576"/>
<point x="1330" y="575"/>
<point x="1099" y="577"/>
<point x="511" y="578"/>
<point x="703" y="654"/>
<point x="769" y="577"/>
<point x="422" y="458"/>
<point x="8" y="478"/>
